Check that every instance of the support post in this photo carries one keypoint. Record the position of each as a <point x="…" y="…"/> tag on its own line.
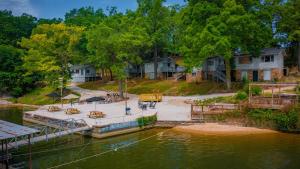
<point x="6" y="149"/>
<point x="250" y="93"/>
<point x="29" y="149"/>
<point x="272" y="96"/>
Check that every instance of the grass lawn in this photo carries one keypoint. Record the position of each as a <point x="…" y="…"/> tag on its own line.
<point x="166" y="87"/>
<point x="39" y="96"/>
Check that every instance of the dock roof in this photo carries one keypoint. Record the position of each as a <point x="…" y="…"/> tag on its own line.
<point x="10" y="130"/>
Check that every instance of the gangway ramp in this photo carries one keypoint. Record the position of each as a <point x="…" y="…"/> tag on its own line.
<point x="51" y="129"/>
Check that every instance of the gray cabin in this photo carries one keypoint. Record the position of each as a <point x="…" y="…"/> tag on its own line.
<point x="166" y="67"/>
<point x="83" y="73"/>
<point x="267" y="67"/>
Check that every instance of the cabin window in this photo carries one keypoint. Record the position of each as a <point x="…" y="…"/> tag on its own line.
<point x="210" y="63"/>
<point x="87" y="71"/>
<point x="77" y="71"/>
<point x="267" y="58"/>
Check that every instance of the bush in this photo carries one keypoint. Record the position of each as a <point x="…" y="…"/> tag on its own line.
<point x="144" y="121"/>
<point x="256" y="90"/>
<point x="283" y="121"/>
<point x="241" y="95"/>
<point x="287" y="121"/>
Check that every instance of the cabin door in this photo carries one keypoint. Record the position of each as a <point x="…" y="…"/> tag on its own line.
<point x="267" y="75"/>
<point x="255" y="76"/>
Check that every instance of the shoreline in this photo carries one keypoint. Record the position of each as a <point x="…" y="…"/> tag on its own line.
<point x="221" y="129"/>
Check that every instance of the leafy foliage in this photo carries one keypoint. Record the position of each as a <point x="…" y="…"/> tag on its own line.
<point x="51" y="48"/>
<point x="148" y="120"/>
<point x="241" y="95"/>
<point x="283" y="121"/>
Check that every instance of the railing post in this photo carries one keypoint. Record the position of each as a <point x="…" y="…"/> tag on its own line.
<point x="46" y="130"/>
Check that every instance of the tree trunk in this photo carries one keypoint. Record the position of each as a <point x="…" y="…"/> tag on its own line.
<point x="121" y="92"/>
<point x="111" y="75"/>
<point x="228" y="73"/>
<point x="155" y="62"/>
<point x="102" y="74"/>
<point x="298" y="54"/>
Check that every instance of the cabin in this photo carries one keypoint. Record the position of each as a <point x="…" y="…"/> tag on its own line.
<point x="83" y="73"/>
<point x="213" y="68"/>
<point x="166" y="67"/>
<point x="269" y="66"/>
<point x="135" y="71"/>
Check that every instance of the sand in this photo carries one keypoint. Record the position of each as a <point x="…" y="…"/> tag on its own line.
<point x="215" y="128"/>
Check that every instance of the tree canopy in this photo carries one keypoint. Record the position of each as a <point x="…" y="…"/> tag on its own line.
<point x="41" y="50"/>
<point x="51" y="48"/>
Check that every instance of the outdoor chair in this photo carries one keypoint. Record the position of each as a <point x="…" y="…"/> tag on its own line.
<point x="152" y="105"/>
<point x="127" y="110"/>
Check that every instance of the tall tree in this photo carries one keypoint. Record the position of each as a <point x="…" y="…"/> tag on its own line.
<point x="155" y="19"/>
<point x="51" y="49"/>
<point x="232" y="29"/>
<point x="115" y="44"/>
<point x="13" y="28"/>
<point x="85" y="16"/>
<point x="290" y="24"/>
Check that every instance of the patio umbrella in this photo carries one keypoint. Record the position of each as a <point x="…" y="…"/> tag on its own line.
<point x="53" y="95"/>
<point x="95" y="99"/>
<point x="71" y="97"/>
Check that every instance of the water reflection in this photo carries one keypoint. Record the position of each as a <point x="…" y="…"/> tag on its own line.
<point x="168" y="150"/>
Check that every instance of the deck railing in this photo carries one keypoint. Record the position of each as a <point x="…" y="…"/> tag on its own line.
<point x="198" y="111"/>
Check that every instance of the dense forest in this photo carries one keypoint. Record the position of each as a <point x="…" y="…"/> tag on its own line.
<point x="38" y="52"/>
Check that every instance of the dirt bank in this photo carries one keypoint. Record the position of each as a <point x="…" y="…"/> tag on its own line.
<point x="214" y="128"/>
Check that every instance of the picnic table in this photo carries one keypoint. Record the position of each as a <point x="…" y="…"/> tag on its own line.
<point x="96" y="114"/>
<point x="71" y="111"/>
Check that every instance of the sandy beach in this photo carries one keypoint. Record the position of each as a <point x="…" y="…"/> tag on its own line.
<point x="215" y="128"/>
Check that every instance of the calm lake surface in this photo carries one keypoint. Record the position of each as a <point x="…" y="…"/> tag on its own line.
<point x="163" y="149"/>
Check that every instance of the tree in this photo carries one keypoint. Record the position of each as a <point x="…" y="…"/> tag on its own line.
<point x="232" y="29"/>
<point x="13" y="28"/>
<point x="154" y="17"/>
<point x="115" y="44"/>
<point x="290" y="24"/>
<point x="85" y="16"/>
<point x="51" y="49"/>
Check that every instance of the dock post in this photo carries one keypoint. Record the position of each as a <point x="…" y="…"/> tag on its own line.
<point x="6" y="150"/>
<point x="29" y="149"/>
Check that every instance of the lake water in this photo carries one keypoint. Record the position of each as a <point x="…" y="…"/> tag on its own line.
<point x="164" y="149"/>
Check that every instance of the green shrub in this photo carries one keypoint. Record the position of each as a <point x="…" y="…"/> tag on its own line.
<point x="287" y="121"/>
<point x="241" y="95"/>
<point x="283" y="121"/>
<point x="144" y="121"/>
<point x="256" y="90"/>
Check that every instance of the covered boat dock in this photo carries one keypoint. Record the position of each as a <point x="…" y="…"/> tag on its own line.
<point x="10" y="132"/>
